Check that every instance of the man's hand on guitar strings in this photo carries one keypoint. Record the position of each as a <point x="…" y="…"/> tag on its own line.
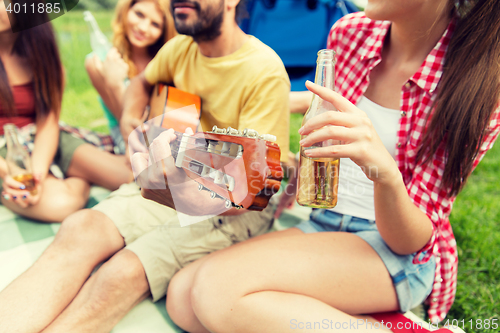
<point x="142" y="134"/>
<point x="151" y="168"/>
<point x="161" y="181"/>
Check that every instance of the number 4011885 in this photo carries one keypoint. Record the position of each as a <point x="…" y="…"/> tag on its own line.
<point x="40" y="8"/>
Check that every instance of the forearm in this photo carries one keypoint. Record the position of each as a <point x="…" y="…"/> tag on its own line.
<point x="299" y="101"/>
<point x="404" y="227"/>
<point x="109" y="84"/>
<point x="135" y="100"/>
<point x="46" y="142"/>
<point x="112" y="96"/>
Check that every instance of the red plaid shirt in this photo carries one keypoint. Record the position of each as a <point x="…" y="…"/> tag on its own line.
<point x="358" y="41"/>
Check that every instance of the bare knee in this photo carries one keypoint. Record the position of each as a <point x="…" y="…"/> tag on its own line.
<point x="89" y="232"/>
<point x="122" y="274"/>
<point x="63" y="205"/>
<point x="213" y="295"/>
<point x="178" y="300"/>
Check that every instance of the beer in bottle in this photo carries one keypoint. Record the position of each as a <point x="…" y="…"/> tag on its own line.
<point x="18" y="159"/>
<point x="318" y="177"/>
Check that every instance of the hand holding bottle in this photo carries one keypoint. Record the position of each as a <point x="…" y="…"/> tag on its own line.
<point x="20" y="184"/>
<point x="113" y="70"/>
<point x="19" y="193"/>
<point x="352" y="126"/>
<point x="318" y="177"/>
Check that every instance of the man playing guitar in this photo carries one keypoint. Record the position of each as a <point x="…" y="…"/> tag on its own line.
<point x="242" y="84"/>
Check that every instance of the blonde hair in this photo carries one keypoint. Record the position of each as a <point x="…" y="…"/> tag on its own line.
<point x="120" y="39"/>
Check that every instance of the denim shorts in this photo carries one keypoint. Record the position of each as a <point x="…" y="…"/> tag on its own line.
<point x="413" y="283"/>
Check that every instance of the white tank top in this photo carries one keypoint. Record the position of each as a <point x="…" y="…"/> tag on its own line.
<point x="355" y="193"/>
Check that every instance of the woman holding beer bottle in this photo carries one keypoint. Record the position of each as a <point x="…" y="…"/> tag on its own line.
<point x="31" y="88"/>
<point x="418" y="89"/>
<point x="140" y="27"/>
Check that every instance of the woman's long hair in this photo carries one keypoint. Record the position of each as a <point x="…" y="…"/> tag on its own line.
<point x="468" y="91"/>
<point x="119" y="25"/>
<point x="38" y="47"/>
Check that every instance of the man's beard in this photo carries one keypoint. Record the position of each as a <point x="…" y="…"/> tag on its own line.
<point x="208" y="25"/>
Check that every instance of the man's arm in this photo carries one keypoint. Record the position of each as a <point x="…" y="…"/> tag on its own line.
<point x="134" y="103"/>
<point x="299" y="101"/>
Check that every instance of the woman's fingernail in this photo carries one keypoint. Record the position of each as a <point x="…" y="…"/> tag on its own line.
<point x="301" y="142"/>
<point x="301" y="130"/>
<point x="6" y="197"/>
<point x="22" y="187"/>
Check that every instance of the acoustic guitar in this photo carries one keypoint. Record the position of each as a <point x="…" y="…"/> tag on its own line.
<point x="240" y="167"/>
<point x="165" y="101"/>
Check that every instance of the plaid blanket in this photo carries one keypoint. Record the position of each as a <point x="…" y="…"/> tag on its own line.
<point x="22" y="241"/>
<point x="26" y="137"/>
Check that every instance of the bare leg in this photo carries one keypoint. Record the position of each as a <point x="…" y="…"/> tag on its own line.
<point x="41" y="293"/>
<point x="60" y="198"/>
<point x="100" y="167"/>
<point x="179" y="305"/>
<point x="266" y="285"/>
<point x="106" y="297"/>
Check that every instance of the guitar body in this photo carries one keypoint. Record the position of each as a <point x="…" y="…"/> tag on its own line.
<point x="172" y="105"/>
<point x="241" y="168"/>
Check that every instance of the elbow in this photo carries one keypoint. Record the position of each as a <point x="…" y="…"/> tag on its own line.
<point x="405" y="247"/>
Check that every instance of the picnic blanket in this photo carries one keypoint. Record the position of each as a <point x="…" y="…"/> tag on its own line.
<point x="23" y="240"/>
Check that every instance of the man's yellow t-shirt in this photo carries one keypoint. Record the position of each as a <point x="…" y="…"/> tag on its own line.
<point x="246" y="89"/>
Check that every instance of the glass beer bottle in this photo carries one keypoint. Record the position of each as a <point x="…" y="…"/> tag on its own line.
<point x="318" y="177"/>
<point x="99" y="43"/>
<point x="18" y="159"/>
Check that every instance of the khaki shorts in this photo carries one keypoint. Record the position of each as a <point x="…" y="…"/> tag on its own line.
<point x="152" y="231"/>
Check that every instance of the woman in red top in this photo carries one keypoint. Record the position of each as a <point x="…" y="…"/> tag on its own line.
<point x="436" y="64"/>
<point x="31" y="88"/>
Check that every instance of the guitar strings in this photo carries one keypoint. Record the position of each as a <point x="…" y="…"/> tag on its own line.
<point x="198" y="149"/>
<point x="216" y="170"/>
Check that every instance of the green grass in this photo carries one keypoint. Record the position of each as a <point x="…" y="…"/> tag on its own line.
<point x="475" y="219"/>
<point x="80" y="105"/>
<point x="475" y="215"/>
